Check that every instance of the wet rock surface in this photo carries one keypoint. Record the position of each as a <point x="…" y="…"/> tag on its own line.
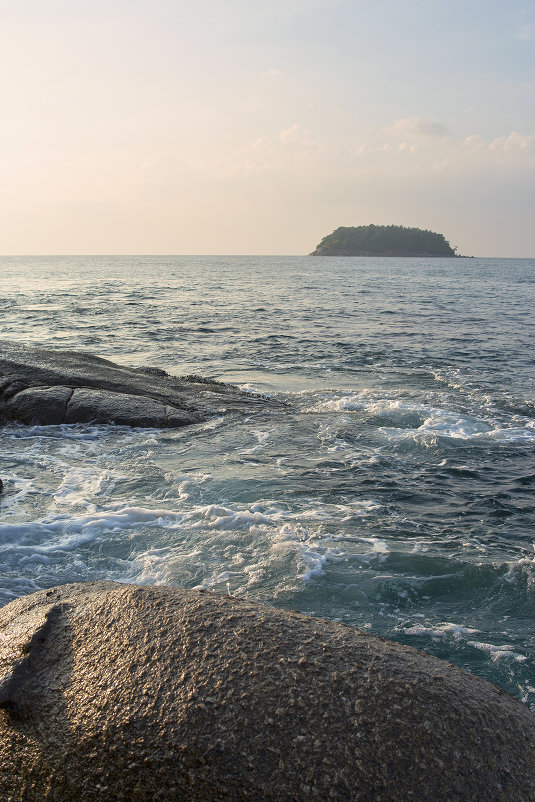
<point x="51" y="387"/>
<point x="120" y="692"/>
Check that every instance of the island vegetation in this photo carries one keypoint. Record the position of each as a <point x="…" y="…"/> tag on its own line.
<point x="383" y="241"/>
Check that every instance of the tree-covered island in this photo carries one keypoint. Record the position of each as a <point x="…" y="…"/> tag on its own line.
<point x="383" y="241"/>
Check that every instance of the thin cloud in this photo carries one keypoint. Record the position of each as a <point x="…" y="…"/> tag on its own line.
<point x="514" y="141"/>
<point x="526" y="32"/>
<point x="416" y="126"/>
<point x="276" y="75"/>
<point x="296" y="135"/>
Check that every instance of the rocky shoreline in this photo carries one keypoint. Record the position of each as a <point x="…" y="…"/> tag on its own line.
<point x="51" y="387"/>
<point x="121" y="692"/>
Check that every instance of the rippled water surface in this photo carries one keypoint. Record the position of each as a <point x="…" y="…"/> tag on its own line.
<point x="394" y="492"/>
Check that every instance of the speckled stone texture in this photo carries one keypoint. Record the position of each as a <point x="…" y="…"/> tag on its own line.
<point x="38" y="385"/>
<point x="118" y="692"/>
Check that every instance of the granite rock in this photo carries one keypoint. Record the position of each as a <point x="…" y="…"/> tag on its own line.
<point x="119" y="692"/>
<point x="50" y="387"/>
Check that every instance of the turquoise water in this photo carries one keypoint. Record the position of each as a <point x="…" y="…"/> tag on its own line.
<point x="394" y="492"/>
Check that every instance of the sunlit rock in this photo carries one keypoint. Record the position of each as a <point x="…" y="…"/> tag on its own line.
<point x="117" y="692"/>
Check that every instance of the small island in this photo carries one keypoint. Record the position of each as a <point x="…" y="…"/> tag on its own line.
<point x="383" y="241"/>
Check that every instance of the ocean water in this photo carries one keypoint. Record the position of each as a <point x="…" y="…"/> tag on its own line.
<point x="393" y="492"/>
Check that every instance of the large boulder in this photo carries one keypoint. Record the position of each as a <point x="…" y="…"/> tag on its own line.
<point x="38" y="385"/>
<point x="117" y="692"/>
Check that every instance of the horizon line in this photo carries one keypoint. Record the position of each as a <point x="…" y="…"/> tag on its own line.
<point x="134" y="255"/>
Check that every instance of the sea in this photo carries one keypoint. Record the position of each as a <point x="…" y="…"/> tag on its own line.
<point x="392" y="490"/>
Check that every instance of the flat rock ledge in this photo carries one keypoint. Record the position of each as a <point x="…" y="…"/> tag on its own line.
<point x="120" y="692"/>
<point x="43" y="386"/>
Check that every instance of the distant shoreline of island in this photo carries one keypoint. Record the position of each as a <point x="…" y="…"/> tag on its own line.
<point x="390" y="240"/>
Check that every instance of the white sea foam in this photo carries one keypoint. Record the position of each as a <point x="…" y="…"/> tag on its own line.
<point x="312" y="557"/>
<point x="497" y="652"/>
<point x="452" y="425"/>
<point x="91" y="520"/>
<point x="215" y="516"/>
<point x="80" y="485"/>
<point x="63" y="432"/>
<point x="275" y="534"/>
<point x="262" y="438"/>
<point x="186" y="482"/>
<point x="333" y="513"/>
<point x="254" y="388"/>
<point x="439" y="631"/>
<point x="375" y="549"/>
<point x="346" y="402"/>
<point x="315" y="562"/>
<point x="522" y="569"/>
<point x="209" y="516"/>
<point x="17" y="490"/>
<point x="421" y="422"/>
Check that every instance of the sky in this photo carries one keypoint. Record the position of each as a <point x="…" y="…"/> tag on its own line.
<point x="232" y="126"/>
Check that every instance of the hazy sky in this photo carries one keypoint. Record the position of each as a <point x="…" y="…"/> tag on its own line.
<point x="248" y="126"/>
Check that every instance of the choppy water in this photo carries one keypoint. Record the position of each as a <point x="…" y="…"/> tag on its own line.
<point x="395" y="492"/>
